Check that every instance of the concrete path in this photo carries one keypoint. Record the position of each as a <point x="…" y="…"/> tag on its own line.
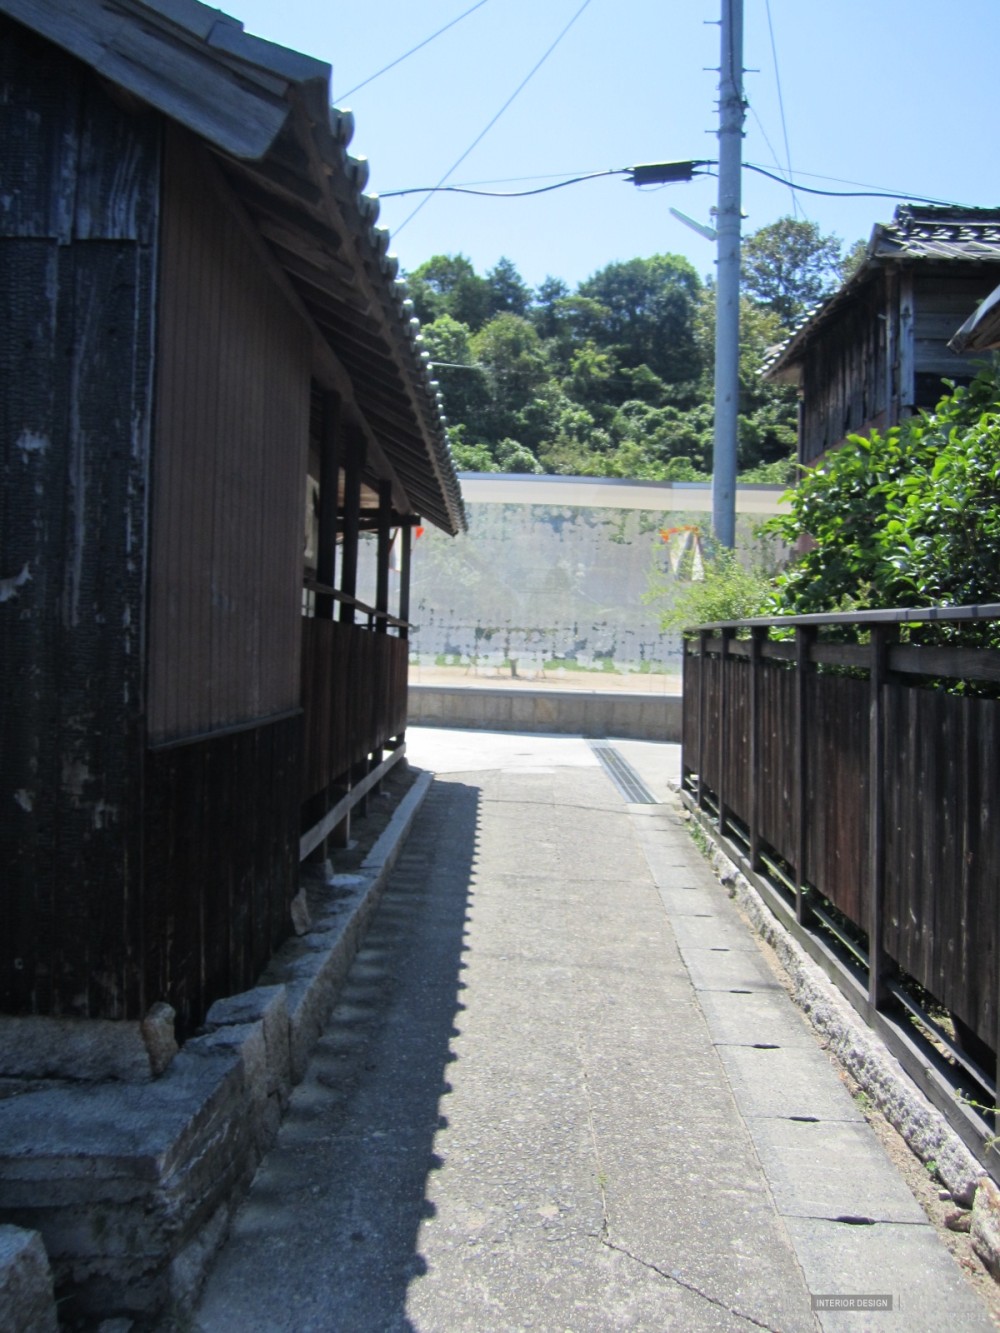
<point x="563" y="1091"/>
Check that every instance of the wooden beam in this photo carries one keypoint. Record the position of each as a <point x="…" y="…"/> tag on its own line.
<point x="336" y="815"/>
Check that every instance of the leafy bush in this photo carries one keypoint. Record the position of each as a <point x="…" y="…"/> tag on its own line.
<point x="908" y="517"/>
<point x="725" y="588"/>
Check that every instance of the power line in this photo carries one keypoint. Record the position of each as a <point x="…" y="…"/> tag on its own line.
<point x="412" y="51"/>
<point x="781" y="103"/>
<point x="856" y="194"/>
<point x="760" y="125"/>
<point x="692" y="169"/>
<point x="482" y="134"/>
<point x="502" y="194"/>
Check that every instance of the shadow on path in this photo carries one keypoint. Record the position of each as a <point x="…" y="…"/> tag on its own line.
<point x="327" y="1238"/>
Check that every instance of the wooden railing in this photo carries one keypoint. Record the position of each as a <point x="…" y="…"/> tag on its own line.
<point x="856" y="775"/>
<point x="354" y="696"/>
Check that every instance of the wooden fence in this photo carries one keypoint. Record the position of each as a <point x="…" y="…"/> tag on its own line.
<point x="858" y="775"/>
<point x="354" y="689"/>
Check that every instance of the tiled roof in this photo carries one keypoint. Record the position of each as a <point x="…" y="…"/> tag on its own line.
<point x="936" y="233"/>
<point x="916" y="234"/>
<point x="265" y="111"/>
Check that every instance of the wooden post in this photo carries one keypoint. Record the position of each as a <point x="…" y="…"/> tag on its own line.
<point x="907" y="345"/>
<point x="405" y="557"/>
<point x="891" y="389"/>
<point x="702" y="659"/>
<point x="877" y="962"/>
<point x="384" y="543"/>
<point x="724" y="667"/>
<point x="352" y="524"/>
<point x="803" y="641"/>
<point x="757" y="636"/>
<point x="329" y="485"/>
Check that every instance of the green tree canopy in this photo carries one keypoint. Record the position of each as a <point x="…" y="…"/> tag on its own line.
<point x="506" y="292"/>
<point x="449" y="285"/>
<point x="644" y="311"/>
<point x="789" y="265"/>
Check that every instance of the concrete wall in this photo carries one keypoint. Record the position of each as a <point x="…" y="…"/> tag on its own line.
<point x="634" y="716"/>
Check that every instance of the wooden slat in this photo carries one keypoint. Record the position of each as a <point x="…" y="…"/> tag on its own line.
<point x="229" y="471"/>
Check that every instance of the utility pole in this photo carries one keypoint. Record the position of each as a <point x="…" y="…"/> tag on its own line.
<point x="727" y="291"/>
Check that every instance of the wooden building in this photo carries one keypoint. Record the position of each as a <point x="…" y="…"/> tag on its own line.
<point x="209" y="368"/>
<point x="877" y="350"/>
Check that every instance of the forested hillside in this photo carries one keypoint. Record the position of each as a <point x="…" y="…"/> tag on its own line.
<point x="615" y="378"/>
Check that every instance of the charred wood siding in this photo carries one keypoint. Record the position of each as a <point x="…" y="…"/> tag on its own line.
<point x="78" y="225"/>
<point x="221" y="852"/>
<point x="232" y="432"/>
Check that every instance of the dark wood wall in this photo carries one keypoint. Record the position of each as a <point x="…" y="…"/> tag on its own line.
<point x="154" y="429"/>
<point x="221" y="863"/>
<point x="885" y="352"/>
<point x="229" y="472"/>
<point x="844" y="385"/>
<point x="78" y="235"/>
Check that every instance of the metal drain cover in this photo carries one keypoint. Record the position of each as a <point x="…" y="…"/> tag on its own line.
<point x="622" y="774"/>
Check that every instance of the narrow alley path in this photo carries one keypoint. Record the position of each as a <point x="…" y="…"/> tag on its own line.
<point x="563" y="1091"/>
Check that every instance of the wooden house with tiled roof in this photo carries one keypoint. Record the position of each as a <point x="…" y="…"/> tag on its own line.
<point x="205" y="350"/>
<point x="878" y="349"/>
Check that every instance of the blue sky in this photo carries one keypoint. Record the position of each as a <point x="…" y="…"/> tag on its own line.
<point x="894" y="94"/>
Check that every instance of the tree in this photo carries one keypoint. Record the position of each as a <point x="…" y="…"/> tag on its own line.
<point x="463" y="383"/>
<point x="470" y="457"/>
<point x="510" y="352"/>
<point x="545" y="313"/>
<point x="515" y="457"/>
<point x="449" y="285"/>
<point x="644" y="312"/>
<point x="768" y="413"/>
<point x="505" y="291"/>
<point x="789" y="266"/>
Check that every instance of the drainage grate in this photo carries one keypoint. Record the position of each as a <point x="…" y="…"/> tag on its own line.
<point x="622" y="774"/>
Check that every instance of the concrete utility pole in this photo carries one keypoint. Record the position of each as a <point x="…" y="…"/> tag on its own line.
<point x="727" y="293"/>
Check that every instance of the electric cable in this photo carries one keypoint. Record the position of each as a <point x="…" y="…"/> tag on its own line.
<point x="406" y="54"/>
<point x="857" y="194"/>
<point x="781" y="105"/>
<point x="699" y="168"/>
<point x="503" y="194"/>
<point x="482" y="134"/>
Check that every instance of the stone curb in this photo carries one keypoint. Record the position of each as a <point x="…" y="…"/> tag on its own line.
<point x="26" y="1300"/>
<point x="132" y="1186"/>
<point x="865" y="1057"/>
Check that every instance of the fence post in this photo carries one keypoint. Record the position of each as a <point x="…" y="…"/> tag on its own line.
<point x="725" y="639"/>
<point x="702" y="659"/>
<point x="757" y="637"/>
<point x="804" y="636"/>
<point x="877" y="961"/>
